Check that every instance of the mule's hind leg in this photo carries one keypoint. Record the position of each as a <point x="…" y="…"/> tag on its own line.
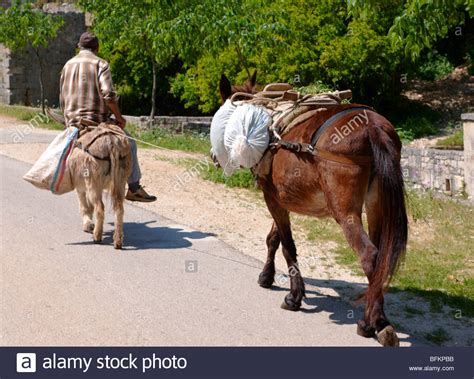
<point x="348" y="215"/>
<point x="374" y="313"/>
<point x="87" y="211"/>
<point x="282" y="220"/>
<point x="267" y="276"/>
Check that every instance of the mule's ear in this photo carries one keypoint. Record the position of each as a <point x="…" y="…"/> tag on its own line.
<point x="253" y="79"/>
<point x="225" y="88"/>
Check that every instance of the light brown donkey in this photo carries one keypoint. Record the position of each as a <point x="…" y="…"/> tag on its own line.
<point x="356" y="162"/>
<point x="101" y="161"/>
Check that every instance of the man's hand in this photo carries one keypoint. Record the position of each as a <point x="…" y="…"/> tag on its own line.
<point x="121" y="121"/>
<point x="112" y="104"/>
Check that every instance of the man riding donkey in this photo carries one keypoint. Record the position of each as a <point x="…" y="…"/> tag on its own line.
<point x="87" y="96"/>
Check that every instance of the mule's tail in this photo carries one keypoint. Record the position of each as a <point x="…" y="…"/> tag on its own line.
<point x="393" y="230"/>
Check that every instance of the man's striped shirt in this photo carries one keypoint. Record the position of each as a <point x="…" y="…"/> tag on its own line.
<point x="85" y="87"/>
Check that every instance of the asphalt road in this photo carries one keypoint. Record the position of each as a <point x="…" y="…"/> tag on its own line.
<point x="24" y="133"/>
<point x="58" y="288"/>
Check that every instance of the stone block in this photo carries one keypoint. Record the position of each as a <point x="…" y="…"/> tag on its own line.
<point x="468" y="127"/>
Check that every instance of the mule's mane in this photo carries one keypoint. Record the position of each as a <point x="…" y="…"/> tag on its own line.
<point x="247" y="87"/>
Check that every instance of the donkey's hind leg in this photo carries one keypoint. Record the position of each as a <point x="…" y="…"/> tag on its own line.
<point x="87" y="211"/>
<point x="118" y="232"/>
<point x="95" y="197"/>
<point x="282" y="220"/>
<point x="118" y="225"/>
<point x="267" y="276"/>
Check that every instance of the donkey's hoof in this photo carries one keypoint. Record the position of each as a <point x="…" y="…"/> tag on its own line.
<point x="365" y="330"/>
<point x="290" y="304"/>
<point x="118" y="245"/>
<point x="88" y="227"/>
<point x="97" y="241"/>
<point x="387" y="337"/>
<point x="265" y="279"/>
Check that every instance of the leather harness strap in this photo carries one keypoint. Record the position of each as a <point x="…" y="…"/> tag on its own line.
<point x="97" y="136"/>
<point x="360" y="160"/>
<point x="86" y="148"/>
<point x="326" y="124"/>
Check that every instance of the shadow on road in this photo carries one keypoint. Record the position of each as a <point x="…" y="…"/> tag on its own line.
<point x="342" y="309"/>
<point x="142" y="236"/>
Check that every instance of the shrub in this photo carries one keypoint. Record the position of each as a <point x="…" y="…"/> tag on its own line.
<point x="436" y="67"/>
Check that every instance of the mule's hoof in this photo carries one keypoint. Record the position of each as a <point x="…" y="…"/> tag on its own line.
<point x="387" y="337"/>
<point x="118" y="246"/>
<point x="265" y="280"/>
<point x="97" y="241"/>
<point x="365" y="330"/>
<point x="290" y="304"/>
<point x="89" y="227"/>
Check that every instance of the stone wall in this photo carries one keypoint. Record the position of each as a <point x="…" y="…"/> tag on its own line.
<point x="4" y="75"/>
<point x="440" y="170"/>
<point x="19" y="71"/>
<point x="448" y="171"/>
<point x="199" y="125"/>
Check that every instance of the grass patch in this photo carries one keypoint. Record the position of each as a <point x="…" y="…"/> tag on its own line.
<point x="33" y="116"/>
<point x="438" y="264"/>
<point x="207" y="171"/>
<point x="240" y="178"/>
<point x="454" y="141"/>
<point x="438" y="336"/>
<point x="189" y="142"/>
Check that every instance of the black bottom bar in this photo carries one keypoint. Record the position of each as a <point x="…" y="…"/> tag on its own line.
<point x="233" y="362"/>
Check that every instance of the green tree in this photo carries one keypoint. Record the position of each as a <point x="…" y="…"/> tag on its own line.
<point x="136" y="28"/>
<point x="364" y="45"/>
<point x="22" y="26"/>
<point x="419" y="24"/>
<point x="216" y="36"/>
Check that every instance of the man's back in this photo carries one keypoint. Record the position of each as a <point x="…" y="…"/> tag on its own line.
<point x="86" y="86"/>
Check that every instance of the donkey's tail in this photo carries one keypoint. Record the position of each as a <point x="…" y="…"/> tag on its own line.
<point x="117" y="187"/>
<point x="386" y="147"/>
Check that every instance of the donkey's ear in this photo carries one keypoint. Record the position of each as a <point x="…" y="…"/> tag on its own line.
<point x="225" y="88"/>
<point x="253" y="79"/>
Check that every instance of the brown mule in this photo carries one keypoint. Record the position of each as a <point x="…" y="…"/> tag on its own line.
<point x="336" y="183"/>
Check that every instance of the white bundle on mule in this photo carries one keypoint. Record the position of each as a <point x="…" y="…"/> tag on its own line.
<point x="218" y="125"/>
<point x="246" y="137"/>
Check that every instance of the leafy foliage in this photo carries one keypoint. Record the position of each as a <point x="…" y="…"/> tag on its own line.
<point x="435" y="68"/>
<point x="136" y="37"/>
<point x="22" y="26"/>
<point x="365" y="45"/>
